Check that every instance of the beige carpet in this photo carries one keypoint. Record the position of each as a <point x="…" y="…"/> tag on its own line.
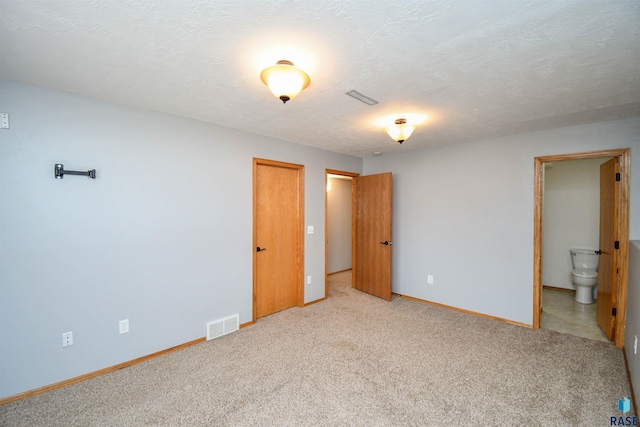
<point x="353" y="360"/>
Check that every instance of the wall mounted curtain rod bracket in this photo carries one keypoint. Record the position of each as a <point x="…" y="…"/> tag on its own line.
<point x="60" y="172"/>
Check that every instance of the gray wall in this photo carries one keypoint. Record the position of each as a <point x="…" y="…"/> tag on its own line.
<point x="339" y="224"/>
<point x="464" y="214"/>
<point x="162" y="237"/>
<point x="570" y="216"/>
<point x="632" y="328"/>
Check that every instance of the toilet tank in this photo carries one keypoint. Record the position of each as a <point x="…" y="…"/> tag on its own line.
<point x="584" y="259"/>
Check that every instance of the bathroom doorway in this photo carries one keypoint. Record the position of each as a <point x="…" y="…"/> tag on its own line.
<point x="570" y="220"/>
<point x="558" y="272"/>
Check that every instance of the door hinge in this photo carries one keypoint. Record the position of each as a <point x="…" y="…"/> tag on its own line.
<point x="616" y="244"/>
<point x="618" y="176"/>
<point x="613" y="311"/>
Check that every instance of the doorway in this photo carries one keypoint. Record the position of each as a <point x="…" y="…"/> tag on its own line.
<point x="570" y="220"/>
<point x="333" y="222"/>
<point x="370" y="231"/>
<point x="339" y="223"/>
<point x="622" y="206"/>
<point x="278" y="239"/>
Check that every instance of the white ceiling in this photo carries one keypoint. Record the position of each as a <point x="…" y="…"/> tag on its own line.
<point x="471" y="69"/>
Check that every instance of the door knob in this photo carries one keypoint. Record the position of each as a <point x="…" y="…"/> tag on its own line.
<point x="259" y="249"/>
<point x="386" y="242"/>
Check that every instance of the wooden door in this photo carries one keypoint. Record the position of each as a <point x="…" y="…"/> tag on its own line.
<point x="608" y="264"/>
<point x="372" y="242"/>
<point x="278" y="237"/>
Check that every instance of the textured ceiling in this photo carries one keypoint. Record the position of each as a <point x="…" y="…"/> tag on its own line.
<point x="467" y="69"/>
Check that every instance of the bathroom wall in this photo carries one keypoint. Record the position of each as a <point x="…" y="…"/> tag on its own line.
<point x="571" y="216"/>
<point x="632" y="328"/>
<point x="339" y="223"/>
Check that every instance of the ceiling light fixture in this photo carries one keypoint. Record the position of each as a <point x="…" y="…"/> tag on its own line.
<point x="284" y="80"/>
<point x="401" y="131"/>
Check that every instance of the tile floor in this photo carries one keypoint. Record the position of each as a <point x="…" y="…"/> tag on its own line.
<point x="562" y="314"/>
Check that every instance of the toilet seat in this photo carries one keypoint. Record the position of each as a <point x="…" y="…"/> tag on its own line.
<point x="585" y="274"/>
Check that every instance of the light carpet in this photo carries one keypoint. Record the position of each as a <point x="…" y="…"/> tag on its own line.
<point x="353" y="360"/>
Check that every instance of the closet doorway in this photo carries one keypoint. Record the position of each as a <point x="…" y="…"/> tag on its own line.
<point x="278" y="240"/>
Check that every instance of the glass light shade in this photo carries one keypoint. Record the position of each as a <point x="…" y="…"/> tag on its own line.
<point x="400" y="133"/>
<point x="284" y="80"/>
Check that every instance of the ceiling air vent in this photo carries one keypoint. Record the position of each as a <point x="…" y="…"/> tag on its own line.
<point x="360" y="97"/>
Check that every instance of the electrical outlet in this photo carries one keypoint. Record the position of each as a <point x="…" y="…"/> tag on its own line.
<point x="67" y="339"/>
<point x="308" y="280"/>
<point x="429" y="280"/>
<point x="4" y="120"/>
<point x="124" y="326"/>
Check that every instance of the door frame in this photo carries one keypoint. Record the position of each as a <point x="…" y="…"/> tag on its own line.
<point x="299" y="225"/>
<point x="623" y="232"/>
<point x="326" y="223"/>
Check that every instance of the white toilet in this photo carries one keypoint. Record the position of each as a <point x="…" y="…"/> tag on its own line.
<point x="584" y="275"/>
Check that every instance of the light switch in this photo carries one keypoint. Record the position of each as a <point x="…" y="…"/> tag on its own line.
<point x="310" y="229"/>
